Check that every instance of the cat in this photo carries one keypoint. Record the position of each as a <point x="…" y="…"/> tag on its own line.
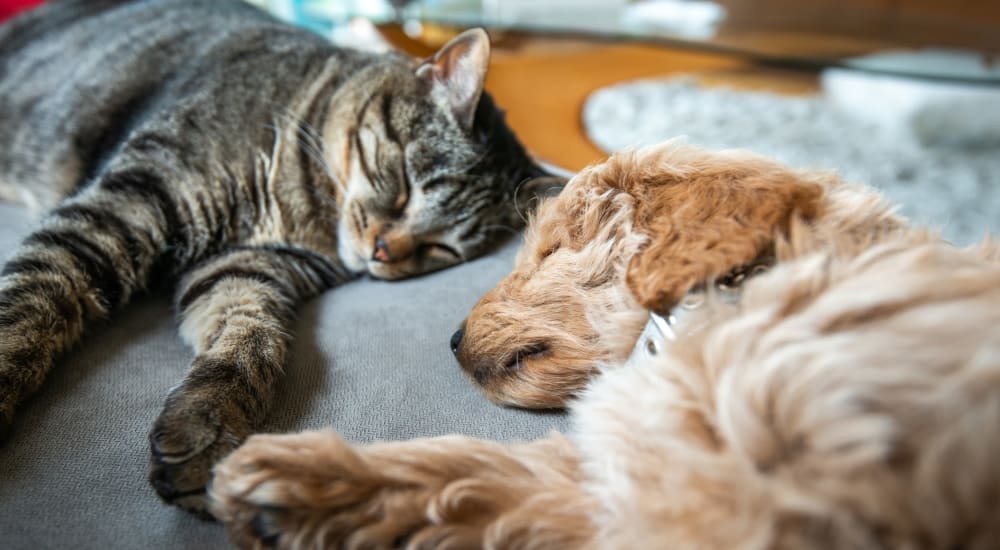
<point x="249" y="163"/>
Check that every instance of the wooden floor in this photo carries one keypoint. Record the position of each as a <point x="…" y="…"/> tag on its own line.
<point x="544" y="89"/>
<point x="543" y="84"/>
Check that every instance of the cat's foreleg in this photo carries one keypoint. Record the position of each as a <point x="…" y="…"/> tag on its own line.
<point x="313" y="490"/>
<point x="235" y="311"/>
<point x="88" y="257"/>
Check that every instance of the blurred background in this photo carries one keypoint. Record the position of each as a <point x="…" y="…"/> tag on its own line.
<point x="903" y="95"/>
<point x="552" y="54"/>
<point x="900" y="94"/>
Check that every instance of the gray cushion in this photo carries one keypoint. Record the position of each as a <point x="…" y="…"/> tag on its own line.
<point x="370" y="359"/>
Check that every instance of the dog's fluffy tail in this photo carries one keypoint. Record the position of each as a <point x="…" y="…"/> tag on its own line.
<point x="844" y="403"/>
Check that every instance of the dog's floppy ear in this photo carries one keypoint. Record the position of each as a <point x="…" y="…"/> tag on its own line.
<point x="711" y="221"/>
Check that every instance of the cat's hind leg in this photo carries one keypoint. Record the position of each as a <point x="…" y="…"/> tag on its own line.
<point x="87" y="258"/>
<point x="236" y="310"/>
<point x="313" y="490"/>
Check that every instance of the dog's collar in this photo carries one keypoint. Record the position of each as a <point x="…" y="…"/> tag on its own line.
<point x="661" y="329"/>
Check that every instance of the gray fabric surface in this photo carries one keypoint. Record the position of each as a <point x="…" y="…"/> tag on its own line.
<point x="370" y="359"/>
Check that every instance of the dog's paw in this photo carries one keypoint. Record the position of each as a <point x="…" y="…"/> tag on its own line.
<point x="190" y="436"/>
<point x="312" y="490"/>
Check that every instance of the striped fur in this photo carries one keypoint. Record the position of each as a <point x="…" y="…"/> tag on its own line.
<point x="204" y="144"/>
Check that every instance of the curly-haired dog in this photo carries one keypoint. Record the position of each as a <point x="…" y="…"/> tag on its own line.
<point x="849" y="396"/>
<point x="636" y="233"/>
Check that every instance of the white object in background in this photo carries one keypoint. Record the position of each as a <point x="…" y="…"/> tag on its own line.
<point x="341" y="10"/>
<point x="936" y="62"/>
<point x="935" y="112"/>
<point x="685" y="18"/>
<point x="598" y="15"/>
<point x="282" y="9"/>
<point x="359" y="34"/>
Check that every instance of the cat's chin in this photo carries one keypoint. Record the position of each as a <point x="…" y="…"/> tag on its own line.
<point x="386" y="272"/>
<point x="355" y="265"/>
<point x="352" y="260"/>
<point x="358" y="265"/>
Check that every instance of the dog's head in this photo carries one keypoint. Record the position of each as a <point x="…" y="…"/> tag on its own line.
<point x="635" y="233"/>
<point x="531" y="341"/>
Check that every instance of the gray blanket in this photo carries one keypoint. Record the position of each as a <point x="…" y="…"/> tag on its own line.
<point x="370" y="360"/>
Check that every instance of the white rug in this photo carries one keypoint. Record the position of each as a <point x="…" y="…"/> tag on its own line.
<point x="954" y="188"/>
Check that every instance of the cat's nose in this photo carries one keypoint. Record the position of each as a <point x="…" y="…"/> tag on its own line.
<point x="392" y="245"/>
<point x="381" y="252"/>
<point x="456" y="340"/>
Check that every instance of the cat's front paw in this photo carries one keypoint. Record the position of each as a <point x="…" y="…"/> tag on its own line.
<point x="9" y="397"/>
<point x="312" y="490"/>
<point x="6" y="418"/>
<point x="190" y="436"/>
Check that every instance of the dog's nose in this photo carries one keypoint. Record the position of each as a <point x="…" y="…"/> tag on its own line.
<point x="456" y="339"/>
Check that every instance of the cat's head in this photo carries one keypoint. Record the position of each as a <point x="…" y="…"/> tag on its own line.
<point x="431" y="174"/>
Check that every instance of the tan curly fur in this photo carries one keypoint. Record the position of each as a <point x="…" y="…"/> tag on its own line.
<point x="321" y="493"/>
<point x="637" y="233"/>
<point x="849" y="398"/>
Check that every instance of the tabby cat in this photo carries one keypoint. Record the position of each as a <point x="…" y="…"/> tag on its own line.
<point x="251" y="164"/>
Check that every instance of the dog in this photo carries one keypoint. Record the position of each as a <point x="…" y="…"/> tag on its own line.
<point x="815" y="373"/>
<point x="635" y="234"/>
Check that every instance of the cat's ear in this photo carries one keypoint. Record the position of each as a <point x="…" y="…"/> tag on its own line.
<point x="533" y="191"/>
<point x="457" y="71"/>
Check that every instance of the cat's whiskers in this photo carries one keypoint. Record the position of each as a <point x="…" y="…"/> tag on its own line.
<point x="312" y="143"/>
<point x="304" y="128"/>
<point x="517" y="190"/>
<point x="475" y="161"/>
<point x="320" y="192"/>
<point x="316" y="154"/>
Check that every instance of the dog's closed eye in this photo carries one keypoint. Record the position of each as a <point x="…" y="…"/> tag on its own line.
<point x="549" y="251"/>
<point x="534" y="351"/>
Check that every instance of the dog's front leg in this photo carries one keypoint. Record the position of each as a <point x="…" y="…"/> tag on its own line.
<point x="313" y="490"/>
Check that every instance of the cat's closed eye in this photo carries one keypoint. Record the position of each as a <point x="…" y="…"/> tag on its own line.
<point x="390" y="205"/>
<point x="440" y="251"/>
